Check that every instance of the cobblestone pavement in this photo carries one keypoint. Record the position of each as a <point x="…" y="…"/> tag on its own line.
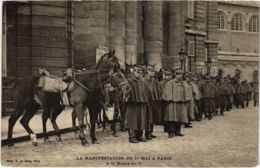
<point x="230" y="140"/>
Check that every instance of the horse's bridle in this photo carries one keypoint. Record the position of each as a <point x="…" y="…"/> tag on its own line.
<point x="112" y="76"/>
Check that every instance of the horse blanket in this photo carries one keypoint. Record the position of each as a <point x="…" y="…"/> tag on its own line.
<point x="54" y="84"/>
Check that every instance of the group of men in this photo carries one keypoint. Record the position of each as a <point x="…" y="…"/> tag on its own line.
<point x="176" y="98"/>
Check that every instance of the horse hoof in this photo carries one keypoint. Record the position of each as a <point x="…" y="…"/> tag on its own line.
<point x="95" y="142"/>
<point x="84" y="142"/>
<point x="10" y="145"/>
<point x="115" y="135"/>
<point x="35" y="144"/>
<point x="58" y="139"/>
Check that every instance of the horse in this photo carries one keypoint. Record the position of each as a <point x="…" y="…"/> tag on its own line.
<point x="28" y="98"/>
<point x="89" y="92"/>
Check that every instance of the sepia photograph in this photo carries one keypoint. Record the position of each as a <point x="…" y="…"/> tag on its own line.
<point x="108" y="83"/>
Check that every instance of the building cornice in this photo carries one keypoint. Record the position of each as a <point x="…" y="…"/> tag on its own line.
<point x="211" y="42"/>
<point x="196" y="32"/>
<point x="238" y="58"/>
<point x="241" y="3"/>
<point x="238" y="54"/>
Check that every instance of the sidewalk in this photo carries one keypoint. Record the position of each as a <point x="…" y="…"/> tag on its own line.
<point x="64" y="121"/>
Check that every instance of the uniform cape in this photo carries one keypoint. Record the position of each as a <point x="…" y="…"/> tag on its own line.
<point x="154" y="90"/>
<point x="196" y="92"/>
<point x="176" y="91"/>
<point x="138" y="93"/>
<point x="208" y="90"/>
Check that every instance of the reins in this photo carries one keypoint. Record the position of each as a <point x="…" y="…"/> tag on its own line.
<point x="98" y="71"/>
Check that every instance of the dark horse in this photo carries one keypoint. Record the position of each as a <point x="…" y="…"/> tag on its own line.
<point x="28" y="98"/>
<point x="89" y="92"/>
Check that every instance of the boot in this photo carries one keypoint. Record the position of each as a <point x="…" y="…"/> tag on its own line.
<point x="148" y="135"/>
<point x="132" y="136"/>
<point x="170" y="135"/>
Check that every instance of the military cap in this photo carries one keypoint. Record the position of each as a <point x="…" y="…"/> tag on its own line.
<point x="150" y="68"/>
<point x="138" y="68"/>
<point x="179" y="71"/>
<point x="167" y="72"/>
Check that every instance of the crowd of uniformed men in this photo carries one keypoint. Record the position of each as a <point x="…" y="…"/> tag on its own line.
<point x="174" y="99"/>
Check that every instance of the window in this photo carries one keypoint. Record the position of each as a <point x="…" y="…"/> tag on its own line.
<point x="254" y="24"/>
<point x="221" y="20"/>
<point x="4" y="42"/>
<point x="236" y="23"/>
<point x="191" y="48"/>
<point x="190" y="9"/>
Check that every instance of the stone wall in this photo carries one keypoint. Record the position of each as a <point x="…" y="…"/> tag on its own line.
<point x="91" y="29"/>
<point x="41" y="39"/>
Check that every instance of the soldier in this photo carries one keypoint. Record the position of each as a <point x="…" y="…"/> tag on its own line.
<point x="190" y="104"/>
<point x="175" y="94"/>
<point x="230" y="97"/>
<point x="239" y="94"/>
<point x="197" y="97"/>
<point x="209" y="92"/>
<point x="137" y="107"/>
<point x="167" y="76"/>
<point x="255" y="92"/>
<point x="248" y="92"/>
<point x="224" y="92"/>
<point x="154" y="96"/>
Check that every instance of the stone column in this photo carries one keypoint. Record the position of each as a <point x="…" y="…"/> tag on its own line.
<point x="131" y="33"/>
<point x="153" y="37"/>
<point x="90" y="31"/>
<point x="117" y="29"/>
<point x="176" y="31"/>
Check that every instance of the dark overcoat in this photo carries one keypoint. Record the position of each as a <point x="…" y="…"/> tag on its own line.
<point x="136" y="116"/>
<point x="176" y="96"/>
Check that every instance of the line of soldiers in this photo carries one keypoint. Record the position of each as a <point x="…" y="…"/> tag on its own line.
<point x="176" y="98"/>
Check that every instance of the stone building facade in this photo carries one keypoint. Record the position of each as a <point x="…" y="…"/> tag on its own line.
<point x="59" y="34"/>
<point x="238" y="37"/>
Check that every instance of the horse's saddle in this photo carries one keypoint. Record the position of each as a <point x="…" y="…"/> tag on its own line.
<point x="55" y="84"/>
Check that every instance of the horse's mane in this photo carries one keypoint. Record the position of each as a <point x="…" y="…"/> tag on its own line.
<point x="100" y="60"/>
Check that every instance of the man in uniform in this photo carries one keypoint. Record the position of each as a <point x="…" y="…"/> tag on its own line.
<point x="248" y="92"/>
<point x="224" y="92"/>
<point x="196" y="96"/>
<point x="190" y="104"/>
<point x="137" y="107"/>
<point x="175" y="94"/>
<point x="209" y="92"/>
<point x="239" y="94"/>
<point x="167" y="76"/>
<point x="154" y="96"/>
<point x="230" y="97"/>
<point x="255" y="92"/>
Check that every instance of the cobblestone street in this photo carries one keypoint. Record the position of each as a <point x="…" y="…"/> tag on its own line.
<point x="230" y="140"/>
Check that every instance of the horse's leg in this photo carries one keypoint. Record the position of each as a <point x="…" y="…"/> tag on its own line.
<point x="86" y="119"/>
<point x="55" y="114"/>
<point x="73" y="117"/>
<point x="45" y="116"/>
<point x="105" y="118"/>
<point x="29" y="113"/>
<point x="80" y="115"/>
<point x="12" y="120"/>
<point x="99" y="120"/>
<point x="93" y="114"/>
